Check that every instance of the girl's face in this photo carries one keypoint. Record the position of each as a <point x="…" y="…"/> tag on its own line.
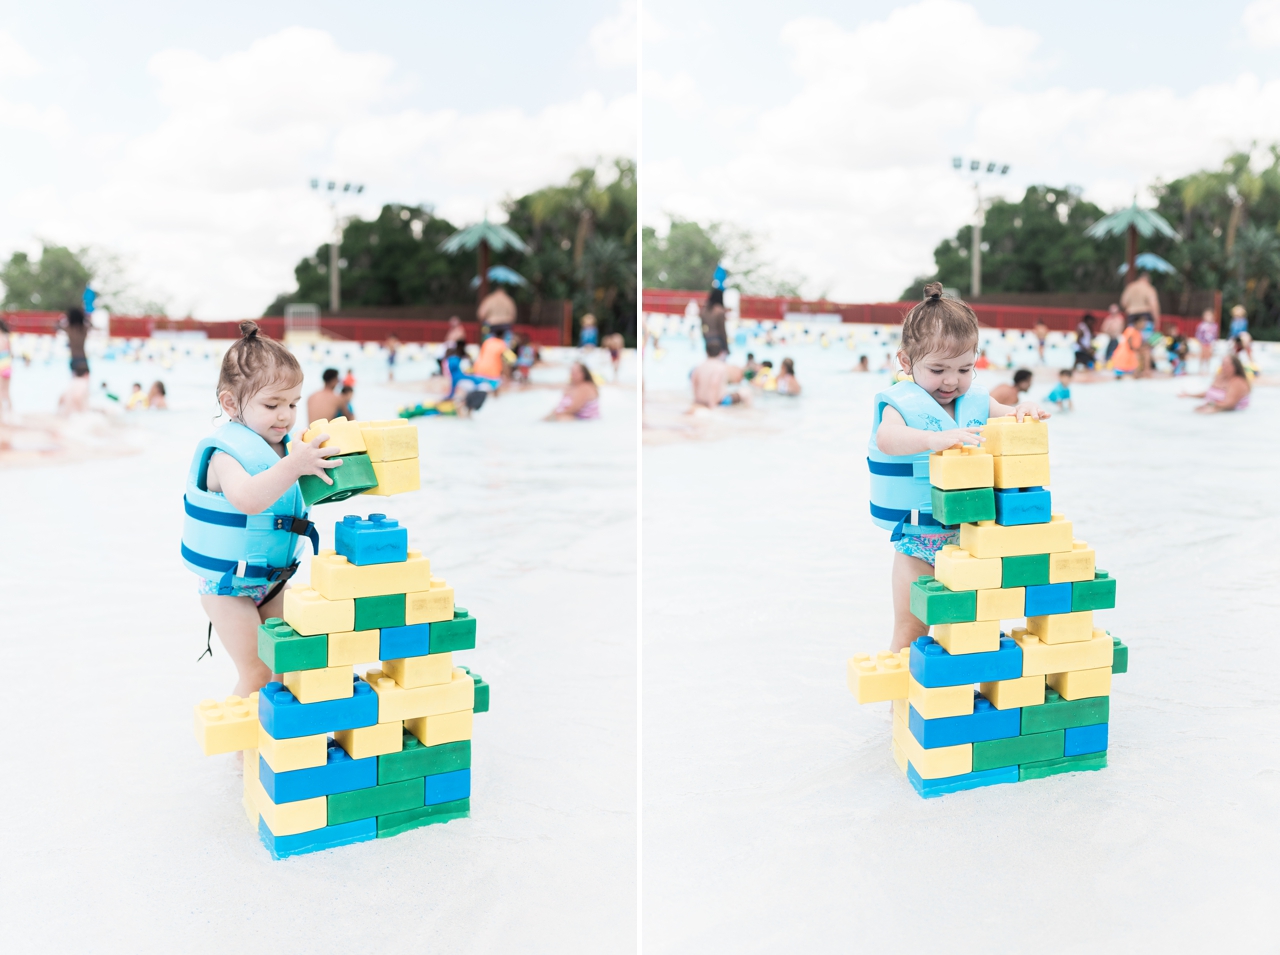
<point x="945" y="377"/>
<point x="270" y="413"/>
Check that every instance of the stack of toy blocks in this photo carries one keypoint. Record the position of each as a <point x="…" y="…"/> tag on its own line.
<point x="332" y="758"/>
<point x="1041" y="704"/>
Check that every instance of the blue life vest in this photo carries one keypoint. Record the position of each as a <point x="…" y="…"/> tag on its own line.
<point x="900" y="498"/>
<point x="237" y="549"/>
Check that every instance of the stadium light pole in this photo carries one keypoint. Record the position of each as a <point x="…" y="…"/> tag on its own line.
<point x="335" y="280"/>
<point x="975" y="254"/>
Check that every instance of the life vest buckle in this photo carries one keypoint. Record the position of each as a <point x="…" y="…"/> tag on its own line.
<point x="281" y="574"/>
<point x="294" y="525"/>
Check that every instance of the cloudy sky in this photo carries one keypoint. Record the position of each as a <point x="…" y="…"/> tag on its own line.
<point x="828" y="127"/>
<point x="183" y="140"/>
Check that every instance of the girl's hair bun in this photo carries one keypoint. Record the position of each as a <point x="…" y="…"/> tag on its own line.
<point x="249" y="329"/>
<point x="932" y="293"/>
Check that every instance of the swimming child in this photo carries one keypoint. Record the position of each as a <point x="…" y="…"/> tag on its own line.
<point x="245" y="518"/>
<point x="751" y="367"/>
<point x="349" y="379"/>
<point x="157" y="399"/>
<point x="137" y="398"/>
<point x="1010" y="394"/>
<point x="788" y="384"/>
<point x="1061" y="394"/>
<point x="938" y="409"/>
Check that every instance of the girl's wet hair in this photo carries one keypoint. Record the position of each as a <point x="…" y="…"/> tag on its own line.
<point x="253" y="363"/>
<point x="938" y="323"/>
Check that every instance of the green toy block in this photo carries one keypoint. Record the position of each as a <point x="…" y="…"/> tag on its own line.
<point x="281" y="648"/>
<point x="932" y="603"/>
<point x="1067" y="764"/>
<point x="1058" y="714"/>
<point x="374" y="613"/>
<point x="456" y="634"/>
<point x="416" y="760"/>
<point x="964" y="507"/>
<point x="1119" y="657"/>
<point x="352" y="477"/>
<point x="482" y="691"/>
<point x="375" y="801"/>
<point x="1029" y="571"/>
<point x="394" y="823"/>
<point x="1096" y="594"/>
<point x="994" y="753"/>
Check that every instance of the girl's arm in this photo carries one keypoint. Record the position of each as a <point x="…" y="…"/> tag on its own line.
<point x="896" y="438"/>
<point x="1022" y="408"/>
<point x="253" y="495"/>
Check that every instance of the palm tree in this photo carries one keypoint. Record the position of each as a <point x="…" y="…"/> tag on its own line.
<point x="482" y="237"/>
<point x="1131" y="223"/>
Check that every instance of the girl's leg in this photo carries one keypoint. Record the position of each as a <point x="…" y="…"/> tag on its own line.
<point x="906" y="626"/>
<point x="236" y="619"/>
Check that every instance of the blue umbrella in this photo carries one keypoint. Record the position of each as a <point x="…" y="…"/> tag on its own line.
<point x="500" y="273"/>
<point x="1148" y="262"/>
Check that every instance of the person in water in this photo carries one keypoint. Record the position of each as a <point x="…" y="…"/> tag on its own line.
<point x="581" y="400"/>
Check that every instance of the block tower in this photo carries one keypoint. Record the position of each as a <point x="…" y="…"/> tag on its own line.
<point x="1041" y="704"/>
<point x="332" y="758"/>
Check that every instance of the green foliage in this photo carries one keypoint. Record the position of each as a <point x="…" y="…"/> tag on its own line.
<point x="686" y="258"/>
<point x="53" y="282"/>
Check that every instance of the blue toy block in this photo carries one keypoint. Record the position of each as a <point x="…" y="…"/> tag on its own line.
<point x="931" y="665"/>
<point x="1085" y="739"/>
<point x="986" y="722"/>
<point x="280" y="847"/>
<point x="375" y="541"/>
<point x="283" y="717"/>
<point x="1022" y="505"/>
<point x="1046" y="599"/>
<point x="928" y="788"/>
<point x="446" y="787"/>
<point x="396" y="643"/>
<point x="339" y="775"/>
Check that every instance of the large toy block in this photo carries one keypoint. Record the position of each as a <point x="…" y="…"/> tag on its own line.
<point x="961" y="507"/>
<point x="1041" y="659"/>
<point x="415" y="760"/>
<point x="411" y="672"/>
<point x="389" y="440"/>
<point x="335" y="578"/>
<point x="339" y="774"/>
<point x="989" y="539"/>
<point x="248" y="798"/>
<point x="928" y="788"/>
<point x="1119" y="656"/>
<point x="1027" y="570"/>
<point x="392" y="824"/>
<point x="375" y="801"/>
<point x="979" y="636"/>
<point x="1018" y="470"/>
<point x="376" y="740"/>
<point x="899" y="757"/>
<point x="405" y="641"/>
<point x="1076" y="564"/>
<point x="353" y="646"/>
<point x="1081" y="684"/>
<point x="984" y="723"/>
<point x="447" y="787"/>
<point x="445" y="728"/>
<point x="283" y="717"/>
<point x="309" y="613"/>
<point x="431" y="606"/>
<point x="1003" y="604"/>
<point x="1096" y="594"/>
<point x="344" y="435"/>
<point x="1085" y="739"/>
<point x="395" y="477"/>
<point x="330" y="837"/>
<point x="316" y="686"/>
<point x="1014" y="694"/>
<point x="1017" y="749"/>
<point x="1061" y="627"/>
<point x="380" y="613"/>
<point x="354" y="475"/>
<point x="233" y="724"/>
<point x="957" y="469"/>
<point x="458" y="633"/>
<point x="933" y="763"/>
<point x="288" y="818"/>
<point x="283" y="649"/>
<point x="1007" y="435"/>
<point x="880" y="678"/>
<point x="1059" y="714"/>
<point x="931" y="665"/>
<point x="377" y="540"/>
<point x="287" y="755"/>
<point x="481" y="704"/>
<point x="398" y="703"/>
<point x="1047" y="599"/>
<point x="1067" y="764"/>
<point x="1022" y="505"/>
<point x="957" y="569"/>
<point x="933" y="603"/>
<point x="940" y="702"/>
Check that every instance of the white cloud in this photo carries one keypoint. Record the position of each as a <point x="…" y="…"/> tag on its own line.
<point x="613" y="40"/>
<point x="14" y="60"/>
<point x="678" y="90"/>
<point x="1261" y="21"/>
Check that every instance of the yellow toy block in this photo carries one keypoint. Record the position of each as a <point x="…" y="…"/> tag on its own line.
<point x="901" y="711"/>
<point x="879" y="678"/>
<point x="899" y="757"/>
<point x="286" y="755"/>
<point x="431" y="670"/>
<point x="429" y="606"/>
<point x="1075" y="564"/>
<point x="1041" y="659"/>
<point x="290" y="818"/>
<point x="933" y="763"/>
<point x="1012" y="694"/>
<point x="445" y="728"/>
<point x="248" y="800"/>
<point x="989" y="539"/>
<point x="335" y="578"/>
<point x="1058" y="628"/>
<point x="396" y="477"/>
<point x="937" y="702"/>
<point x="376" y="740"/>
<point x="978" y="636"/>
<point x="309" y="613"/>
<point x="398" y="703"/>
<point x="320" y="684"/>
<point x="353" y="646"/>
<point x="389" y="440"/>
<point x="1006" y="435"/>
<point x="957" y="569"/>
<point x="958" y="468"/>
<point x="228" y="726"/>
<point x="343" y="434"/>
<point x="1022" y="470"/>
<point x="1007" y="604"/>
<point x="1078" y="684"/>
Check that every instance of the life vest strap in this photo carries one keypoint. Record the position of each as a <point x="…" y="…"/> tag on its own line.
<point x="230" y="569"/>
<point x="890" y="469"/>
<point x="294" y="525"/>
<point x="902" y="518"/>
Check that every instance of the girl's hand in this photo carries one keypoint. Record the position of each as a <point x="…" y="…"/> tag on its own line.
<point x="312" y="459"/>
<point x="1029" y="408"/>
<point x="941" y="440"/>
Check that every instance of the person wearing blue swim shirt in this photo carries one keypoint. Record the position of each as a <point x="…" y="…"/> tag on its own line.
<point x="937" y="408"/>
